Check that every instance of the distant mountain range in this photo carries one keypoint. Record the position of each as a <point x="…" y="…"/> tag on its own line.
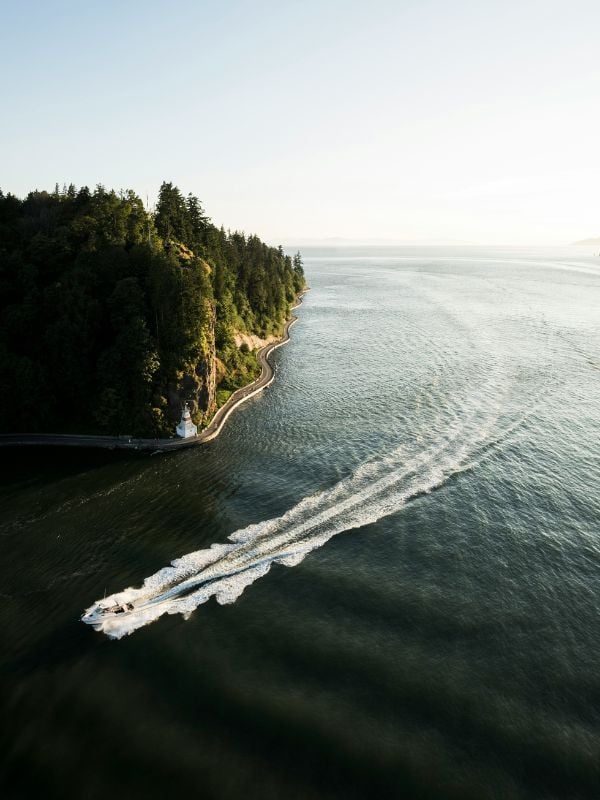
<point x="590" y="242"/>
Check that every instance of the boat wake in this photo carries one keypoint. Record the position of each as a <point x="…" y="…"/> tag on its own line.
<point x="377" y="489"/>
<point x="457" y="424"/>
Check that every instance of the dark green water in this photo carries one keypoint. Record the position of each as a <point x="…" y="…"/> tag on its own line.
<point x="427" y="465"/>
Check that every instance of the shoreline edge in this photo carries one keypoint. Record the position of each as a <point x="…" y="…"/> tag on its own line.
<point x="209" y="433"/>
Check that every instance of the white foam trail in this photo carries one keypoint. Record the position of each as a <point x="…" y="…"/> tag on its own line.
<point x="377" y="489"/>
<point x="465" y="432"/>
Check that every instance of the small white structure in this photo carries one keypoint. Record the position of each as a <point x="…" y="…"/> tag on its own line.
<point x="186" y="427"/>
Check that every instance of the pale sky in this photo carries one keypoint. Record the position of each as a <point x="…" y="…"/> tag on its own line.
<point x="412" y="119"/>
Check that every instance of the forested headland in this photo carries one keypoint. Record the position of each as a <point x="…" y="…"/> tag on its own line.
<point x="111" y="316"/>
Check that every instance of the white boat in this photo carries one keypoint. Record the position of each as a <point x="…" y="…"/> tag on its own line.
<point x="100" y="612"/>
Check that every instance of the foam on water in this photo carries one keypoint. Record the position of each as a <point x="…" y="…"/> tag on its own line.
<point x="376" y="489"/>
<point x="472" y="608"/>
<point x="459" y="431"/>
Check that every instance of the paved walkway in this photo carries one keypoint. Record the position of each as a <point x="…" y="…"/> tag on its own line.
<point x="161" y="445"/>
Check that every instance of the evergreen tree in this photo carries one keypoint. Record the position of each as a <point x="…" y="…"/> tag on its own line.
<point x="109" y="316"/>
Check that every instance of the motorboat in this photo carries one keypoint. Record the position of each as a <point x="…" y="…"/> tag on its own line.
<point x="99" y="612"/>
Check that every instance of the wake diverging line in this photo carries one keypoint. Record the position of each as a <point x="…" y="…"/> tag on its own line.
<point x="464" y="431"/>
<point x="377" y="489"/>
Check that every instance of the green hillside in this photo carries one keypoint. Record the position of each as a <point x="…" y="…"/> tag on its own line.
<point x="112" y="317"/>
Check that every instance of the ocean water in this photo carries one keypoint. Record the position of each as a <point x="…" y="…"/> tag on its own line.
<point x="381" y="580"/>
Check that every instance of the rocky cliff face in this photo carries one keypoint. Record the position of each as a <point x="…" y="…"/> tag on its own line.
<point x="196" y="383"/>
<point x="206" y="371"/>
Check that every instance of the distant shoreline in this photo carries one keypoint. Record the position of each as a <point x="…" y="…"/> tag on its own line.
<point x="240" y="396"/>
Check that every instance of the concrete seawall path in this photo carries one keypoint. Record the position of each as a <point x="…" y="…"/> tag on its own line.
<point x="162" y="445"/>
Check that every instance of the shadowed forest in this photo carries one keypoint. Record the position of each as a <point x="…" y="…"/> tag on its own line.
<point x="111" y="317"/>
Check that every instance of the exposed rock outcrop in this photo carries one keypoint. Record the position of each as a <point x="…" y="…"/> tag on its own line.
<point x="252" y="341"/>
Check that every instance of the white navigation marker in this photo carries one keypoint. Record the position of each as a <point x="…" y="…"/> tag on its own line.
<point x="186" y="427"/>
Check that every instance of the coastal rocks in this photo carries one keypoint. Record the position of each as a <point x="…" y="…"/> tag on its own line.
<point x="252" y="341"/>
